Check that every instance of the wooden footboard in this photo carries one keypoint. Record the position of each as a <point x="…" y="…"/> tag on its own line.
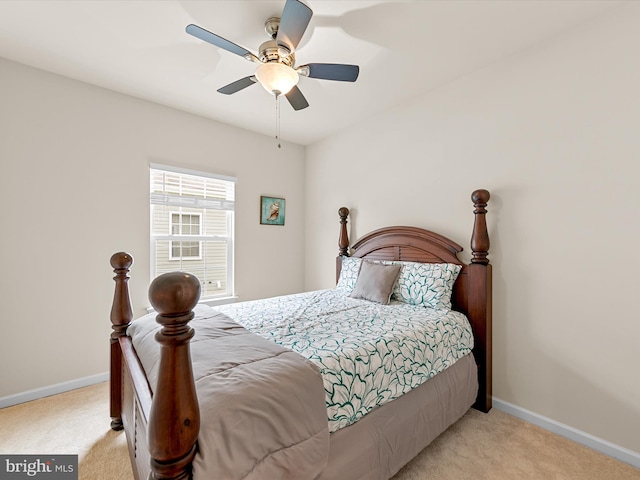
<point x="136" y="405"/>
<point x="161" y="429"/>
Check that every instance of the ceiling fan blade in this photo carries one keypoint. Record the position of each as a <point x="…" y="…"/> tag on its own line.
<point x="238" y="85"/>
<point x="218" y="41"/>
<point x="330" y="71"/>
<point x="293" y="23"/>
<point x="296" y="99"/>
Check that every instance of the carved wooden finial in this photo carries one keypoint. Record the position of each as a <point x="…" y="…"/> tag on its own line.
<point x="174" y="293"/>
<point x="480" y="197"/>
<point x="175" y="413"/>
<point x="121" y="260"/>
<point x="480" y="236"/>
<point x="343" y="240"/>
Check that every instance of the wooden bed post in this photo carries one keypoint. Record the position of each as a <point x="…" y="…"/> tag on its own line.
<point x="174" y="420"/>
<point x="343" y="240"/>
<point x="479" y="299"/>
<point x="121" y="316"/>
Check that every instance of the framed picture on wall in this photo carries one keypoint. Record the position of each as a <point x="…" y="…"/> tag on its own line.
<point x="272" y="210"/>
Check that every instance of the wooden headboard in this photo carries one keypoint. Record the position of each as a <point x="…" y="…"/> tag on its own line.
<point x="472" y="290"/>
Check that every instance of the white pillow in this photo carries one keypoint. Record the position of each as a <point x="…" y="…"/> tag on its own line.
<point x="348" y="274"/>
<point x="428" y="284"/>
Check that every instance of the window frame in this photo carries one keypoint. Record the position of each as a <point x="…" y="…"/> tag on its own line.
<point x="226" y="204"/>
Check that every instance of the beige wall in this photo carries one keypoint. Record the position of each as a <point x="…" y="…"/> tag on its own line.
<point x="74" y="162"/>
<point x="553" y="133"/>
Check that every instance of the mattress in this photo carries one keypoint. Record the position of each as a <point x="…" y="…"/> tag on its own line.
<point x="380" y="444"/>
<point x="368" y="354"/>
<point x="260" y="369"/>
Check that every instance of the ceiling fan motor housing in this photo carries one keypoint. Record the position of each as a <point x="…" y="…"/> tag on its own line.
<point x="270" y="51"/>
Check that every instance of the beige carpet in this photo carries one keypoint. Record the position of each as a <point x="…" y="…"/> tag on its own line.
<point x="494" y="446"/>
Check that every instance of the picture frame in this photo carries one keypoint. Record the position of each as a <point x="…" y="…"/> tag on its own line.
<point x="272" y="210"/>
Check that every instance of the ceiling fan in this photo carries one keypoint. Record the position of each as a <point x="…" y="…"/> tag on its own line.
<point x="277" y="72"/>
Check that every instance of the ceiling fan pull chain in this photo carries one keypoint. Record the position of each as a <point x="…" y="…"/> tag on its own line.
<point x="278" y="119"/>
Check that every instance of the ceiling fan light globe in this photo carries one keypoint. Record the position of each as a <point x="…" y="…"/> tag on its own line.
<point x="276" y="78"/>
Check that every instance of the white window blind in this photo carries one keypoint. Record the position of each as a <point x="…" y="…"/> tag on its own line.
<point x="192" y="226"/>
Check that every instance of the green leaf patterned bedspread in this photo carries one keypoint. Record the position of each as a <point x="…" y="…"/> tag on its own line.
<point x="368" y="354"/>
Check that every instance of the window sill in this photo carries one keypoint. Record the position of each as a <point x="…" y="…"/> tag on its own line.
<point x="211" y="302"/>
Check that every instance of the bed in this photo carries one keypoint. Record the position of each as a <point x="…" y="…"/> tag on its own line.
<point x="175" y="380"/>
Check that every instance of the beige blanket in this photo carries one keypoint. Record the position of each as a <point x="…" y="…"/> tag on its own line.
<point x="262" y="407"/>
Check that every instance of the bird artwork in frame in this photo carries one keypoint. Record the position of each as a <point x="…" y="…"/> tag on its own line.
<point x="272" y="210"/>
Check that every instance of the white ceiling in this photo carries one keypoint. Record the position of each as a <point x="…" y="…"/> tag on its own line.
<point x="140" y="48"/>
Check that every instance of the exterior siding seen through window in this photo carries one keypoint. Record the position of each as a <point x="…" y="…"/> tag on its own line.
<point x="192" y="227"/>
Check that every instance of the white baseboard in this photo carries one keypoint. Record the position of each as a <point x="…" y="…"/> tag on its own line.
<point x="52" y="390"/>
<point x="586" y="439"/>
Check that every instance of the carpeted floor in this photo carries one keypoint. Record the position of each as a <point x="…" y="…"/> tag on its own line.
<point x="75" y="422"/>
<point x="494" y="446"/>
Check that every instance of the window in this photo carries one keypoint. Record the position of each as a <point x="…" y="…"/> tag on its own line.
<point x="192" y="227"/>
<point x="184" y="224"/>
